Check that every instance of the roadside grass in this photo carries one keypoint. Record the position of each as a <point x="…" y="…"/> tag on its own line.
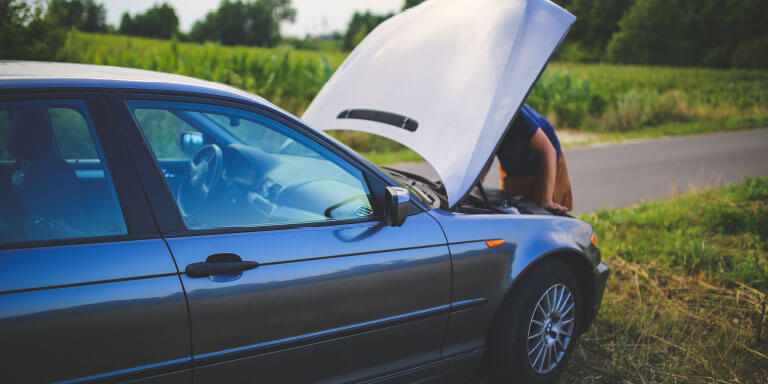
<point x="731" y="124"/>
<point x="686" y="300"/>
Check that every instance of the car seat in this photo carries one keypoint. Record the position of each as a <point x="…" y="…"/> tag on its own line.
<point x="46" y="186"/>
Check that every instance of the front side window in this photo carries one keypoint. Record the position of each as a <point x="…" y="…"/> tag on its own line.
<point x="54" y="183"/>
<point x="232" y="168"/>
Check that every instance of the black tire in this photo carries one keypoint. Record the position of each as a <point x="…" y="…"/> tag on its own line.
<point x="507" y="346"/>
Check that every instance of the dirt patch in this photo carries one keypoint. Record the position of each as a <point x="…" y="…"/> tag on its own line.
<point x="569" y="138"/>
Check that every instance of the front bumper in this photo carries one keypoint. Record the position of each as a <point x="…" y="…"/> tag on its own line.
<point x="600" y="274"/>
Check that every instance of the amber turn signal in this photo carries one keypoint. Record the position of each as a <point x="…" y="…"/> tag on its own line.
<point x="594" y="240"/>
<point x="494" y="243"/>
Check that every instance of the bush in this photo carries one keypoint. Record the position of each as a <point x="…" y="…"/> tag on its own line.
<point x="751" y="54"/>
<point x="159" y="21"/>
<point x="84" y="15"/>
<point x="726" y="219"/>
<point x="639" y="108"/>
<point x="244" y="22"/>
<point x="568" y="100"/>
<point x="652" y="32"/>
<point x="753" y="190"/>
<point x="25" y="33"/>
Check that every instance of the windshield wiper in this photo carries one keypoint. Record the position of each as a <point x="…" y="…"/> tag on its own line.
<point x="410" y="183"/>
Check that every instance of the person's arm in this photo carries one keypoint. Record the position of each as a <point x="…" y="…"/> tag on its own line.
<point x="548" y="154"/>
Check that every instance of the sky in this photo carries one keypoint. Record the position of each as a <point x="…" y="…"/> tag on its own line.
<point x="313" y="16"/>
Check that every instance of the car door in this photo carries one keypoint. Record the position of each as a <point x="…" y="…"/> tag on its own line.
<point x="88" y="289"/>
<point x="312" y="285"/>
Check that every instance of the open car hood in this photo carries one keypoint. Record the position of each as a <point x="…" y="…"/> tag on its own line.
<point x="444" y="79"/>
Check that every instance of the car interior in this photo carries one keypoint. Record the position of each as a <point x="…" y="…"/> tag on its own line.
<point x="227" y="168"/>
<point x="45" y="194"/>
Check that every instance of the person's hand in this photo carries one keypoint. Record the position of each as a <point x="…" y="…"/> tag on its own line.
<point x="553" y="207"/>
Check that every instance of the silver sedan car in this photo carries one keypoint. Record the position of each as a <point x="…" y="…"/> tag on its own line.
<point x="157" y="228"/>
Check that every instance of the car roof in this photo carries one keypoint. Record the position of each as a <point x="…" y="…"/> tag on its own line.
<point x="38" y="75"/>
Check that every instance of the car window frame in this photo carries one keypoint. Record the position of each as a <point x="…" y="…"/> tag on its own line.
<point x="169" y="219"/>
<point x="135" y="211"/>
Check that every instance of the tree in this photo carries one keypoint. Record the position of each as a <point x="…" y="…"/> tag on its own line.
<point x="597" y="21"/>
<point x="411" y="3"/>
<point x="359" y="27"/>
<point x="652" y="32"/>
<point x="721" y="29"/>
<point x="25" y="33"/>
<point x="85" y="15"/>
<point x="751" y="54"/>
<point x="244" y="22"/>
<point x="160" y="21"/>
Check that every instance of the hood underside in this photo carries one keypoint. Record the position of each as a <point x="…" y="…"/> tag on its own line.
<point x="444" y="78"/>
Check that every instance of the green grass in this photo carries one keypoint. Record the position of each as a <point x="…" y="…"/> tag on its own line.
<point x="671" y="129"/>
<point x="611" y="102"/>
<point x="729" y="124"/>
<point x="617" y="98"/>
<point x="686" y="301"/>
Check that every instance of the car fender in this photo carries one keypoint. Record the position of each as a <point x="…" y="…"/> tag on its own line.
<point x="484" y="275"/>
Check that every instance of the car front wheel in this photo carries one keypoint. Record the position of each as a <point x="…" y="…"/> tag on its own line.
<point x="534" y="334"/>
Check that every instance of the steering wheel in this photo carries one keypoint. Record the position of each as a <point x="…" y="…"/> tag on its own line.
<point x="201" y="178"/>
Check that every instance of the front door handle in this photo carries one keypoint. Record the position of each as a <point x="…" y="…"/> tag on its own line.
<point x="219" y="264"/>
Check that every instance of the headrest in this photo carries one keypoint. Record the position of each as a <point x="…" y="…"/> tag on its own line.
<point x="31" y="135"/>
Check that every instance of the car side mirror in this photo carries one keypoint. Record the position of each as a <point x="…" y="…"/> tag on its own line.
<point x="191" y="142"/>
<point x="398" y="200"/>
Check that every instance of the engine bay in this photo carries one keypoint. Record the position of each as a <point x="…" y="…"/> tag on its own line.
<point x="480" y="200"/>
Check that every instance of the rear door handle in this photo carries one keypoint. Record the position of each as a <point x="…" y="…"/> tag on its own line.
<point x="219" y="264"/>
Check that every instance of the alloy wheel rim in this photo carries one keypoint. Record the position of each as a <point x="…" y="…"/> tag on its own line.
<point x="551" y="328"/>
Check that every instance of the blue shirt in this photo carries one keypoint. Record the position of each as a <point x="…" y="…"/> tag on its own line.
<point x="515" y="154"/>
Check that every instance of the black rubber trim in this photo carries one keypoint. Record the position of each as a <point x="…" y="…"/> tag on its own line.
<point x="274" y="227"/>
<point x="401" y="374"/>
<point x="76" y="241"/>
<point x="211" y="358"/>
<point x="156" y="190"/>
<point x="142" y="372"/>
<point x="94" y="282"/>
<point x="390" y="118"/>
<point x="457" y="306"/>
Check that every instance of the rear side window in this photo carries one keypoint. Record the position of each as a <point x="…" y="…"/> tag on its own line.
<point x="72" y="134"/>
<point x="54" y="183"/>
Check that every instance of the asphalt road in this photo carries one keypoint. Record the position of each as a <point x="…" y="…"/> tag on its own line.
<point x="618" y="175"/>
